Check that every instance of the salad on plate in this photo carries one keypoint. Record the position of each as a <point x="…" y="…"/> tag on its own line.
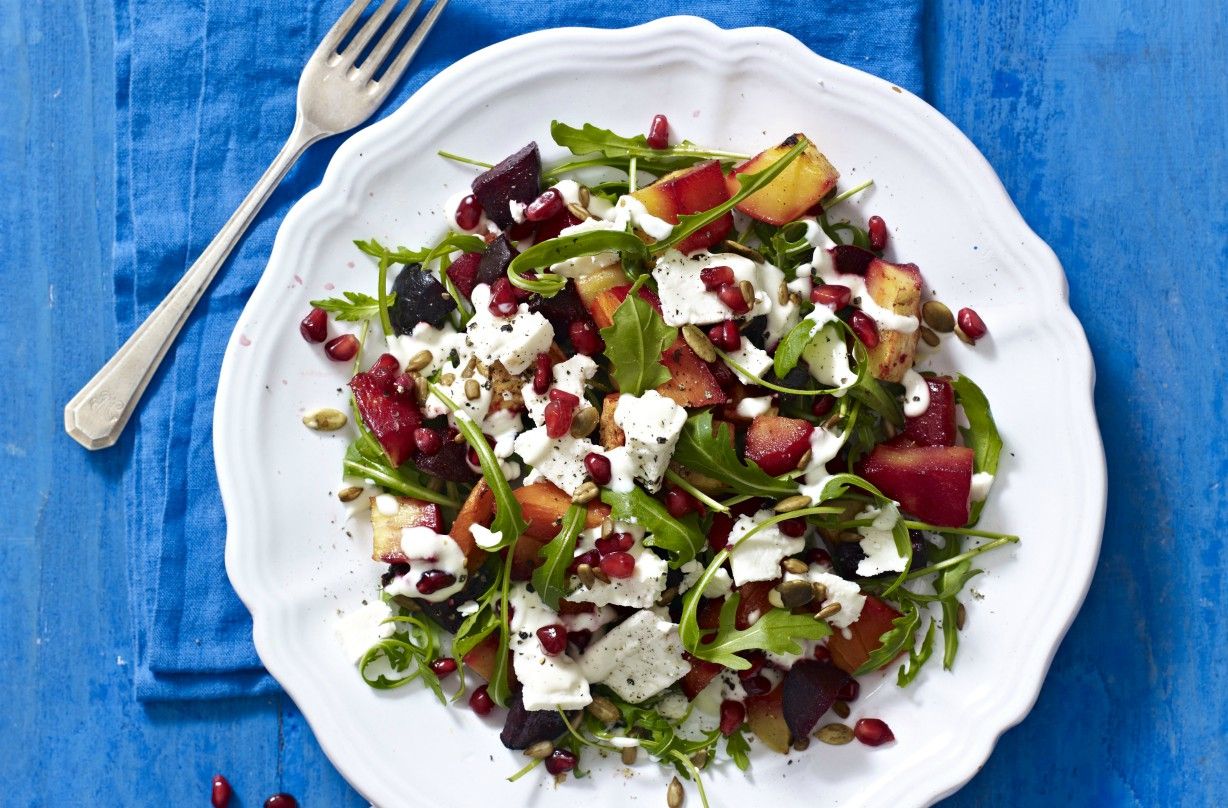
<point x="647" y="458"/>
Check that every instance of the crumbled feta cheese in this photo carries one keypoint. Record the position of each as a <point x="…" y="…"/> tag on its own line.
<point x="752" y="359"/>
<point x="719" y="585"/>
<point x="425" y="337"/>
<point x="468" y="608"/>
<point x="758" y="558"/>
<point x="484" y="537"/>
<point x="475" y="409"/>
<point x="629" y="210"/>
<point x="652" y="424"/>
<point x="571" y="377"/>
<point x="547" y="682"/>
<point x="684" y="299"/>
<point x="559" y="460"/>
<point x="502" y="425"/>
<point x="878" y="543"/>
<point x="638" y="658"/>
<point x="516" y="209"/>
<point x="640" y="591"/>
<point x="363" y="627"/>
<point x="515" y="341"/>
<point x="824" y="446"/>
<point x="754" y="406"/>
<point x="427" y="550"/>
<point x="599" y="617"/>
<point x="982" y="481"/>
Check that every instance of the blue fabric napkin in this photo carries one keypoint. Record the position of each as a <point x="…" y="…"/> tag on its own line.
<point x="205" y="97"/>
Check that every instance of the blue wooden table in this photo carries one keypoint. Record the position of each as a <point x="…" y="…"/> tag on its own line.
<point x="1108" y="122"/>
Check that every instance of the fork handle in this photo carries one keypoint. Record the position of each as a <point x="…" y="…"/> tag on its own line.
<point x="96" y="416"/>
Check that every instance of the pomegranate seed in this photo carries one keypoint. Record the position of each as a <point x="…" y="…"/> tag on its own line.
<point x="865" y="328"/>
<point x="618" y="565"/>
<point x="757" y="686"/>
<point x="543" y="374"/>
<point x="818" y="555"/>
<point x="678" y="502"/>
<point x="615" y="543"/>
<point x="625" y="541"/>
<point x="822" y="405"/>
<point x="658" y="132"/>
<point x="793" y="528"/>
<point x="732" y="716"/>
<point x="222" y="792"/>
<point x="468" y="213"/>
<point x="428" y="441"/>
<point x="434" y="580"/>
<point x="831" y="294"/>
<point x="314" y="326"/>
<point x="480" y="702"/>
<point x="585" y="338"/>
<point x="565" y="398"/>
<point x="725" y="336"/>
<point x="598" y="467"/>
<point x="757" y="661"/>
<point x="342" y="348"/>
<point x="723" y="375"/>
<point x="731" y="295"/>
<point x="878" y="233"/>
<point x="971" y="324"/>
<point x="387" y="364"/>
<point x="553" y="638"/>
<point x="715" y="277"/>
<point x="559" y="412"/>
<point x="443" y="667"/>
<point x="281" y="800"/>
<point x="545" y="206"/>
<point x="560" y="761"/>
<point x="822" y="654"/>
<point x="471" y="457"/>
<point x="850" y="691"/>
<point x="590" y="557"/>
<point x="502" y="298"/>
<point x="873" y="732"/>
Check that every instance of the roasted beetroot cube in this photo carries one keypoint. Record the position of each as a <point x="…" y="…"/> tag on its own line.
<point x="935" y="426"/>
<point x="495" y="260"/>
<point x="563" y="309"/>
<point x="850" y="259"/>
<point x="464" y="272"/>
<point x="517" y="178"/>
<point x="448" y="463"/>
<point x="933" y="483"/>
<point x="777" y="443"/>
<point x="549" y="228"/>
<point x="391" y="414"/>
<point x="420" y="298"/>
<point x="808" y="691"/>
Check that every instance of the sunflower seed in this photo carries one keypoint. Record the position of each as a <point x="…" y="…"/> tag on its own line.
<point x="586" y="493"/>
<point x="325" y="419"/>
<point x="585" y="573"/>
<point x="737" y="248"/>
<point x="795" y="593"/>
<point x="674" y="795"/>
<point x="469" y="367"/>
<point x="748" y="292"/>
<point x="472" y="389"/>
<point x="930" y="337"/>
<point x="667" y="596"/>
<point x="699" y="342"/>
<point x="585" y="195"/>
<point x="630" y="753"/>
<point x="841" y="708"/>
<point x="830" y="610"/>
<point x="540" y="750"/>
<point x="804" y="460"/>
<point x="796" y="298"/>
<point x="937" y="316"/>
<point x="835" y="734"/>
<point x="422" y="387"/>
<point x="793" y="503"/>
<point x="782" y="294"/>
<point x="577" y="211"/>
<point x="849" y="536"/>
<point x="607" y="527"/>
<point x="795" y="566"/>
<point x="584" y="422"/>
<point x="349" y="494"/>
<point x="458" y="438"/>
<point x="418" y="361"/>
<point x="961" y="614"/>
<point x="600" y="575"/>
<point x="604" y="710"/>
<point x="774" y="599"/>
<point x="447" y="379"/>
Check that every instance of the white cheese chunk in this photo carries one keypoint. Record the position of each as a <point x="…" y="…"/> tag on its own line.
<point x="559" y="460"/>
<point x="758" y="558"/>
<point x="640" y="591"/>
<point x="360" y="628"/>
<point x="425" y="337"/>
<point x="475" y="409"/>
<point x="684" y="299"/>
<point x="638" y="658"/>
<point x="982" y="481"/>
<point x="846" y="593"/>
<point x="719" y="585"/>
<point x="652" y="424"/>
<point x="547" y="682"/>
<point x="752" y="359"/>
<point x="571" y="377"/>
<point x="515" y="341"/>
<point x="878" y="543"/>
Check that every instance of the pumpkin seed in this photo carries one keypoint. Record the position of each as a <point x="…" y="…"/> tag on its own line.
<point x="795" y="566"/>
<point x="774" y="599"/>
<point x="607" y="527"/>
<point x="820" y="591"/>
<point x="674" y="795"/>
<point x="929" y="336"/>
<point x="835" y="734"/>
<point x="700" y="759"/>
<point x="667" y="596"/>
<point x="630" y="753"/>
<point x="418" y="361"/>
<point x="447" y="379"/>
<point x="748" y="292"/>
<point x="540" y="750"/>
<point x="699" y="342"/>
<point x="325" y="419"/>
<point x="584" y="422"/>
<point x="600" y="575"/>
<point x="841" y="708"/>
<point x="467" y="373"/>
<point x="472" y="389"/>
<point x="604" y="710"/>
<point x="961" y="614"/>
<point x="937" y="316"/>
<point x="586" y="493"/>
<point x="737" y="248"/>
<point x="349" y="494"/>
<point x="422" y="387"/>
<point x="795" y="593"/>
<point x="793" y="503"/>
<point x="804" y="460"/>
<point x="830" y="610"/>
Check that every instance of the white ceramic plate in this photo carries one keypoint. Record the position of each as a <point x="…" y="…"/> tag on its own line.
<point x="293" y="563"/>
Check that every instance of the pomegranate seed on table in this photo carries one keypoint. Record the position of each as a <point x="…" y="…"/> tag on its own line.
<point x="502" y="298"/>
<point x="598" y="467"/>
<point x="443" y="667"/>
<point x="543" y="374"/>
<point x="678" y="502"/>
<point x="560" y="761"/>
<point x="714" y="278"/>
<point x="865" y="328"/>
<point x="553" y="638"/>
<point x="731" y="295"/>
<point x="281" y="800"/>
<point x="480" y="701"/>
<point x="434" y="580"/>
<point x="878" y="233"/>
<point x="428" y="440"/>
<point x="658" y="132"/>
<point x="545" y="206"/>
<point x="971" y="324"/>
<point x="342" y="348"/>
<point x="873" y="732"/>
<point x="222" y="792"/>
<point x="314" y="326"/>
<point x="618" y="565"/>
<point x="733" y="713"/>
<point x="468" y="213"/>
<point x="585" y="337"/>
<point x="850" y="691"/>
<point x="831" y="294"/>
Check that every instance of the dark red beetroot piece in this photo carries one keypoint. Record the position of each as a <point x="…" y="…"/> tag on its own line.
<point x="699" y="676"/>
<point x="494" y="263"/>
<point x="935" y="426"/>
<point x="810" y="689"/>
<point x="562" y="309"/>
<point x="448" y="463"/>
<point x="464" y="272"/>
<point x="850" y="259"/>
<point x="850" y="653"/>
<point x="777" y="443"/>
<point x="420" y="298"/>
<point x="390" y="414"/>
<point x="517" y="177"/>
<point x="523" y="728"/>
<point x="932" y="483"/>
<point x="551" y="227"/>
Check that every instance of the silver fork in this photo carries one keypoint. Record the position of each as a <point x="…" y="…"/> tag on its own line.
<point x="335" y="94"/>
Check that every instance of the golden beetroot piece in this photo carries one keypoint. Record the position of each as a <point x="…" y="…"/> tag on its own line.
<point x="805" y="181"/>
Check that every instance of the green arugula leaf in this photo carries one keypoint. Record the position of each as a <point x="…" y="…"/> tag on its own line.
<point x="634" y="344"/>
<point x="682" y="539"/>
<point x="365" y="459"/>
<point x="403" y="255"/>
<point x="789" y="351"/>
<point x="981" y="435"/>
<point x="738" y="749"/>
<point x="778" y="631"/>
<point x="707" y="447"/>
<point x="916" y="658"/>
<point x="748" y="184"/>
<point x="550" y="579"/>
<point x="409" y="651"/>
<point x="617" y="150"/>
<point x="950" y="633"/>
<point x="901" y="635"/>
<point x="353" y="307"/>
<point x="508" y="519"/>
<point x="561" y="248"/>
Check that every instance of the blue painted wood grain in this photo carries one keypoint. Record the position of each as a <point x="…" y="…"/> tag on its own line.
<point x="1108" y="122"/>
